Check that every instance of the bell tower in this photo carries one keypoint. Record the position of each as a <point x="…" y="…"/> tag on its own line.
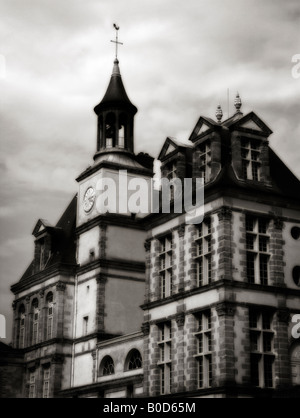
<point x="115" y="115"/>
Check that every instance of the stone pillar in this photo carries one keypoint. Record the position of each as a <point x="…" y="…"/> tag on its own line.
<point x="146" y="357"/>
<point x="178" y="353"/>
<point x="100" y="303"/>
<point x="102" y="240"/>
<point x="16" y="326"/>
<point x="95" y="367"/>
<point x="281" y="347"/>
<point x="226" y="312"/>
<point x="56" y="373"/>
<point x="28" y="323"/>
<point x="154" y="375"/>
<point x="190" y="348"/>
<point x="224" y="238"/>
<point x="192" y="272"/>
<point x="276" y="263"/>
<point x="147" y="246"/>
<point x="155" y="277"/>
<point x="181" y="264"/>
<point x="58" y="324"/>
<point x="42" y="317"/>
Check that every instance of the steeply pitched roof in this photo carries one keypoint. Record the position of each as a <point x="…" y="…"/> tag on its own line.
<point x="115" y="94"/>
<point x="64" y="240"/>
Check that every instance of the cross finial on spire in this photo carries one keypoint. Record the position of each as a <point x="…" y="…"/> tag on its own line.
<point x="116" y="41"/>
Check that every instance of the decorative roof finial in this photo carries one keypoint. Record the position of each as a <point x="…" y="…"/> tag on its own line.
<point x="116" y="41"/>
<point x="219" y="113"/>
<point x="237" y="103"/>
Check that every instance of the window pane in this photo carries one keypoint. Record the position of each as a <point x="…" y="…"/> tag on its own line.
<point x="268" y="371"/>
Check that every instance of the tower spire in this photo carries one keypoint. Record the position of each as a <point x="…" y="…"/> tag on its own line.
<point x="116" y="41"/>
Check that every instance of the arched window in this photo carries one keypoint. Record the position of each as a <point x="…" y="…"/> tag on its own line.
<point x="35" y="321"/>
<point x="107" y="366"/>
<point x="22" y="326"/>
<point x="122" y="131"/>
<point x="295" y="364"/>
<point x="110" y="130"/>
<point x="49" y="301"/>
<point x="134" y="360"/>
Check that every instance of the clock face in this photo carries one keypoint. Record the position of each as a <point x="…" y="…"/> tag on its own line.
<point x="89" y="199"/>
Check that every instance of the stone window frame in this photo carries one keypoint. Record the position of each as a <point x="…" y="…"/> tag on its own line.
<point x="262" y="354"/>
<point x="166" y="257"/>
<point x="203" y="252"/>
<point x="251" y="161"/>
<point x="203" y="355"/>
<point x="107" y="366"/>
<point x="165" y="356"/>
<point x="257" y="249"/>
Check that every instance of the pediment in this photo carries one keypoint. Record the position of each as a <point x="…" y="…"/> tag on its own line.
<point x="169" y="147"/>
<point x="203" y="126"/>
<point x="251" y="122"/>
<point x="40" y="226"/>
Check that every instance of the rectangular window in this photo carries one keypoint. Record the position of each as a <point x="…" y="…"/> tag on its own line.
<point x="166" y="265"/>
<point x="204" y="349"/>
<point x="203" y="253"/>
<point x="165" y="361"/>
<point x="85" y="325"/>
<point x="46" y="383"/>
<point x="205" y="161"/>
<point x="35" y="333"/>
<point x="32" y="384"/>
<point x="257" y="247"/>
<point x="261" y="346"/>
<point x="49" y="327"/>
<point x="250" y="160"/>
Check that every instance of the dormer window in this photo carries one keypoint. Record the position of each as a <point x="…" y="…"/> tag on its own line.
<point x="171" y="172"/>
<point x="250" y="154"/>
<point x="205" y="160"/>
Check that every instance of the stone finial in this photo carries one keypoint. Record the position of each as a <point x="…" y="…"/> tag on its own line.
<point x="238" y="103"/>
<point x="219" y="113"/>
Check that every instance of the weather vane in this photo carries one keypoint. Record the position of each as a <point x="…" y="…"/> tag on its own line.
<point x="116" y="41"/>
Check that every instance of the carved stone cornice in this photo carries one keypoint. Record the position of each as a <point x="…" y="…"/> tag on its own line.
<point x="145" y="328"/>
<point x="283" y="315"/>
<point x="101" y="278"/>
<point x="181" y="230"/>
<point x="60" y="286"/>
<point x="57" y="358"/>
<point x="147" y="245"/>
<point x="225" y="213"/>
<point x="180" y="318"/>
<point x="278" y="223"/>
<point x="225" y="308"/>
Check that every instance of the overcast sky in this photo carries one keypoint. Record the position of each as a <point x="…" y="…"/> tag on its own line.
<point x="178" y="60"/>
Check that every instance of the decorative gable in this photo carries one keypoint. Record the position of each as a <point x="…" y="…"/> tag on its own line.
<point x="203" y="127"/>
<point x="168" y="148"/>
<point x="40" y="226"/>
<point x="251" y="123"/>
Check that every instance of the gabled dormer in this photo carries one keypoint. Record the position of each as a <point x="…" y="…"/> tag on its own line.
<point x="206" y="137"/>
<point x="176" y="159"/>
<point x="46" y="238"/>
<point x="249" y="147"/>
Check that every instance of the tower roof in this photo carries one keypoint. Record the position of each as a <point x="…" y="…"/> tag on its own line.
<point x="115" y="95"/>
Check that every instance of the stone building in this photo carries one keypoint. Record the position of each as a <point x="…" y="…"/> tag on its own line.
<point x="146" y="304"/>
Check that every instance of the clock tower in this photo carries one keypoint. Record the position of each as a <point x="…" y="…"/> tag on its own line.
<point x="110" y="279"/>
